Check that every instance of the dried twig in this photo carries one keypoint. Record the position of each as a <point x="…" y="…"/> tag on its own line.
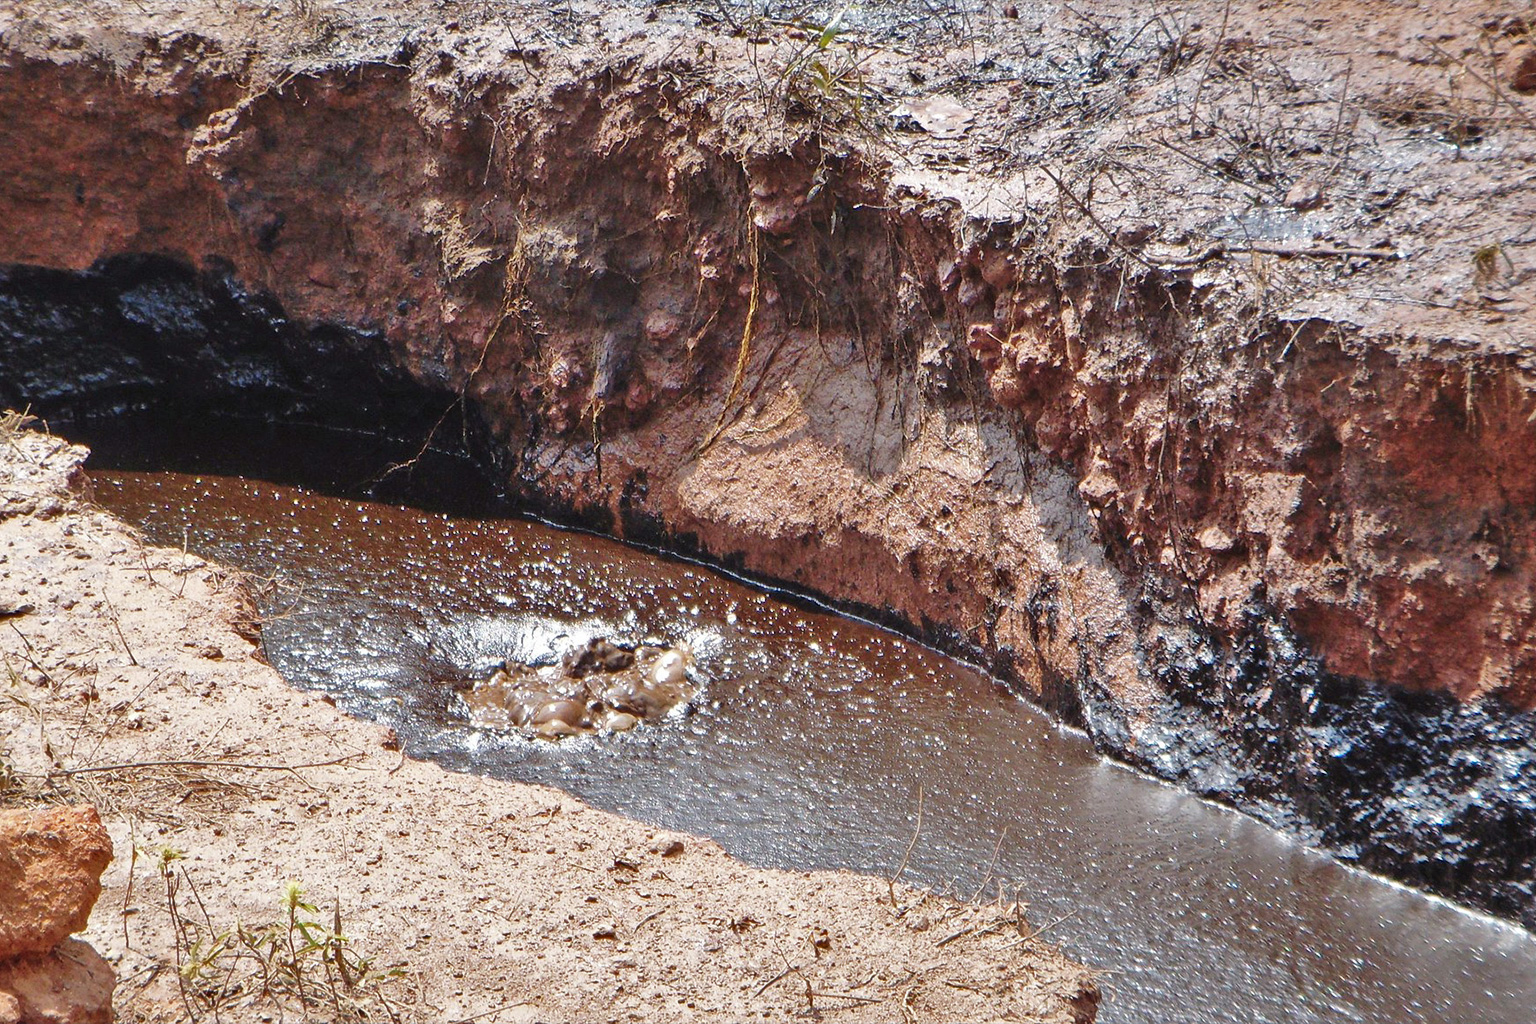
<point x="489" y="1013"/>
<point x="917" y="831"/>
<point x="786" y="972"/>
<point x="980" y="929"/>
<point x="31" y="656"/>
<point x="1317" y="252"/>
<point x="746" y="343"/>
<point x="992" y="866"/>
<point x="843" y="995"/>
<point x="1133" y="254"/>
<point x="139" y="765"/>
<point x="118" y="626"/>
<point x="1043" y="929"/>
<point x="1221" y="37"/>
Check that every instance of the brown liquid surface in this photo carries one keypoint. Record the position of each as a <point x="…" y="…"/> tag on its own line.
<point x="808" y="746"/>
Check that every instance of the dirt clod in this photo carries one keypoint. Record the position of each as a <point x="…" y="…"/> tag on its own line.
<point x="1519" y="68"/>
<point x="51" y="862"/>
<point x="70" y="984"/>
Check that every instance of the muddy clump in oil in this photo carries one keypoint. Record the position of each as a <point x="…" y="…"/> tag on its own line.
<point x="600" y="687"/>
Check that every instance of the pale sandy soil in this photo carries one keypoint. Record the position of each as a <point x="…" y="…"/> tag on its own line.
<point x="496" y="901"/>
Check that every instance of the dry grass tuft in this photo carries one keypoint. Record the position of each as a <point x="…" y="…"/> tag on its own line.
<point x="13" y="423"/>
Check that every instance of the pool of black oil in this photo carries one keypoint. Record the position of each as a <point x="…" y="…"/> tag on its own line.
<point x="810" y="744"/>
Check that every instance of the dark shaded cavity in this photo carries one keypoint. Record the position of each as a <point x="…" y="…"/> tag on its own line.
<point x="144" y="334"/>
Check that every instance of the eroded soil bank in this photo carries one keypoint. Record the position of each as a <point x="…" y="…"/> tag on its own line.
<point x="1176" y="365"/>
<point x="132" y="688"/>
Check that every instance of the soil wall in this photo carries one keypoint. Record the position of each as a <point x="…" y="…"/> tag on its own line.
<point x="1280" y="553"/>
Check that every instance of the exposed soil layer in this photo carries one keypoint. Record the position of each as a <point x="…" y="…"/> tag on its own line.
<point x="1175" y="366"/>
<point x="134" y="687"/>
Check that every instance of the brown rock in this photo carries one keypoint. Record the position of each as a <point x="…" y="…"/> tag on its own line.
<point x="1306" y="194"/>
<point x="1520" y="68"/>
<point x="985" y="345"/>
<point x="71" y="985"/>
<point x="50" y="875"/>
<point x="1214" y="538"/>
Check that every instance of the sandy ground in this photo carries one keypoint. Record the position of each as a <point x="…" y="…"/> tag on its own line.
<point x="127" y="684"/>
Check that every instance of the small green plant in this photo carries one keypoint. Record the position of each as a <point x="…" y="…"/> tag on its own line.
<point x="823" y="79"/>
<point x="1486" y="260"/>
<point x="822" y="69"/>
<point x="296" y="958"/>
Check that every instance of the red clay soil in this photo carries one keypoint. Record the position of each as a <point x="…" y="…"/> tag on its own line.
<point x="1177" y="364"/>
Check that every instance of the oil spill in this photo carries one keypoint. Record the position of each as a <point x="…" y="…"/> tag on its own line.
<point x="813" y="738"/>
